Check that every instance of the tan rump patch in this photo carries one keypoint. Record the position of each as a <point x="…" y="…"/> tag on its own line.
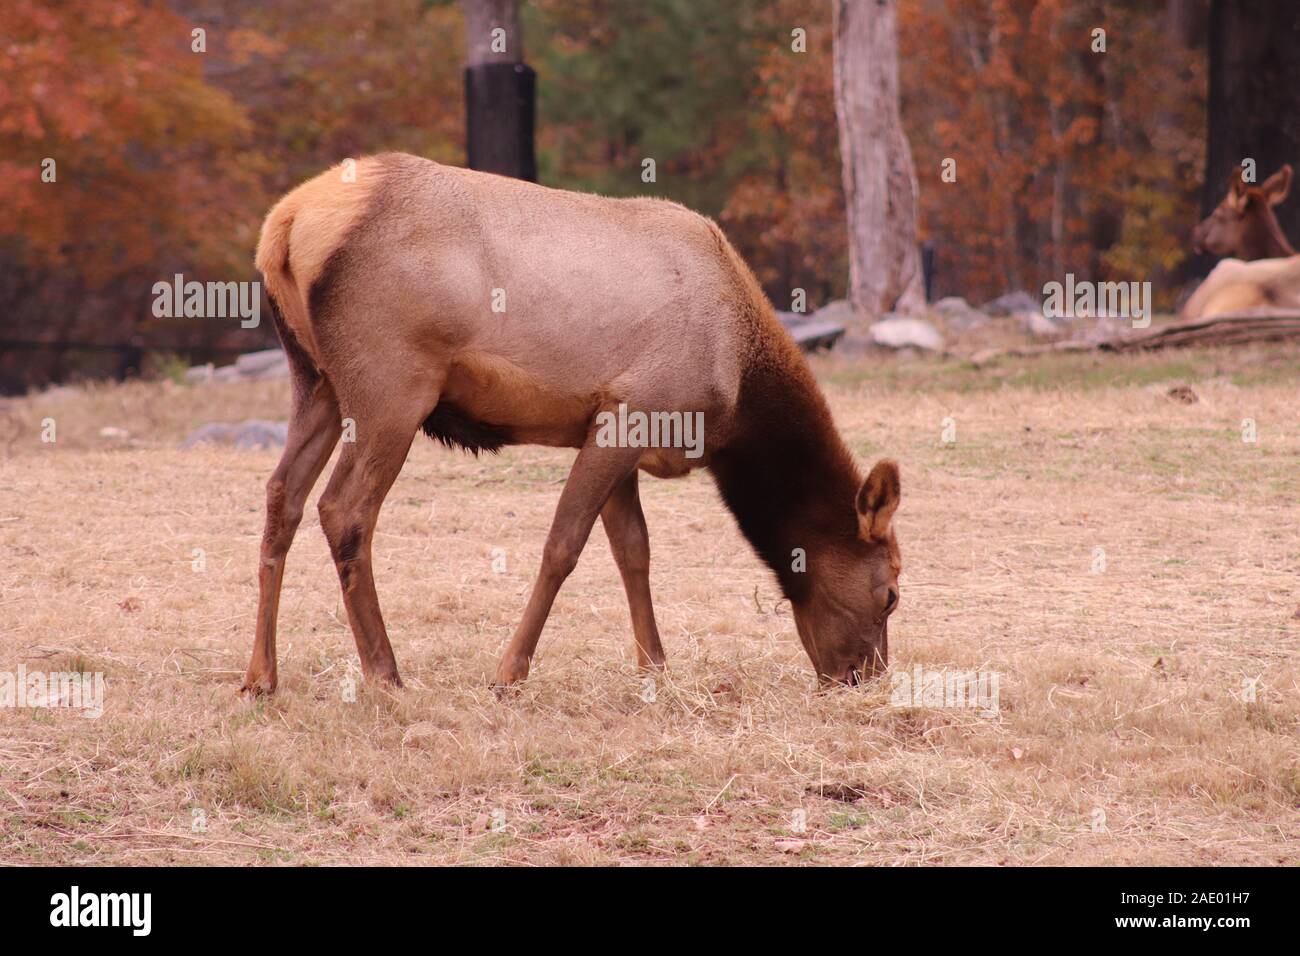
<point x="327" y="208"/>
<point x="304" y="228"/>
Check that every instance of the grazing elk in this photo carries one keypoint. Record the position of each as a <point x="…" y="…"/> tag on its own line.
<point x="1243" y="225"/>
<point x="486" y="312"/>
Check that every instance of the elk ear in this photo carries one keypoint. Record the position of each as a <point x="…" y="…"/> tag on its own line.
<point x="1237" y="189"/>
<point x="1278" y="185"/>
<point x="878" y="500"/>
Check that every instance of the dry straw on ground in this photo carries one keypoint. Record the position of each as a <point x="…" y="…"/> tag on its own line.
<point x="1127" y="732"/>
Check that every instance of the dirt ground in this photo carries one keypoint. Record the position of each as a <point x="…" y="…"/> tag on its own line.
<point x="1123" y="559"/>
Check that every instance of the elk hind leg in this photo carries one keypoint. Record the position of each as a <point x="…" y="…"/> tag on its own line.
<point x="629" y="540"/>
<point x="349" y="509"/>
<point x="313" y="432"/>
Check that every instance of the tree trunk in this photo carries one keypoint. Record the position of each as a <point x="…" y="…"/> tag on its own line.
<point x="500" y="91"/>
<point x="879" y="178"/>
<point x="1254" y="100"/>
<point x="1187" y="21"/>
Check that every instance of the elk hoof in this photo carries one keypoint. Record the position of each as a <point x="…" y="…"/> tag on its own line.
<point x="509" y="674"/>
<point x="256" y="688"/>
<point x="384" y="677"/>
<point x="504" y="691"/>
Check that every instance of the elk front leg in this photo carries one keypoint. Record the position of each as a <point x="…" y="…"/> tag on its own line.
<point x="596" y="472"/>
<point x="630" y="541"/>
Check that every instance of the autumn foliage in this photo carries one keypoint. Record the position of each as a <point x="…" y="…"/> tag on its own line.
<point x="166" y="157"/>
<point x="1068" y="158"/>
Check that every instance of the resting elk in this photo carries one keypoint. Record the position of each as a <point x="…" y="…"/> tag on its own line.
<point x="1235" y="286"/>
<point x="1243" y="227"/>
<point x="486" y="312"/>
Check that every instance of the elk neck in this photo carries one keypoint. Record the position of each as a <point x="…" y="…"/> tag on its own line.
<point x="1272" y="242"/>
<point x="786" y="474"/>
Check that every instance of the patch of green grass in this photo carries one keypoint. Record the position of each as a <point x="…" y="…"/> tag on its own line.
<point x="81" y="816"/>
<point x="634" y="841"/>
<point x="840" y="820"/>
<point x="168" y="365"/>
<point x="1081" y="371"/>
<point x="555" y="773"/>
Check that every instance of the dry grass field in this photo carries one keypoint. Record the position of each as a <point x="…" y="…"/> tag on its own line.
<point x="1128" y="732"/>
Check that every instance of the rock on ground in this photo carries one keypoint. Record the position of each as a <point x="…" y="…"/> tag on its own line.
<point x="810" y="333"/>
<point x="897" y="332"/>
<point x="249" y="367"/>
<point x="958" y="314"/>
<point x="1038" y="325"/>
<point x="841" y="312"/>
<point x="269" y="363"/>
<point x="1013" y="303"/>
<point x="253" y="433"/>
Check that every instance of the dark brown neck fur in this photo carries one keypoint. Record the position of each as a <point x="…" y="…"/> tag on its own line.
<point x="786" y="474"/>
<point x="1265" y="239"/>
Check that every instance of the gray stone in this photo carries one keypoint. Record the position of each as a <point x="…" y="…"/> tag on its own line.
<point x="198" y="374"/>
<point x="841" y="312"/>
<point x="252" y="363"/>
<point x="957" y="314"/>
<point x="810" y="333"/>
<point x="814" y="335"/>
<point x="951" y="305"/>
<point x="1038" y="325"/>
<point x="968" y="320"/>
<point x="1013" y="303"/>
<point x="280" y="370"/>
<point x="253" y="433"/>
<point x="897" y="332"/>
<point x="249" y="367"/>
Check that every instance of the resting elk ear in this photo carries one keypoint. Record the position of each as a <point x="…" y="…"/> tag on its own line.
<point x="1278" y="185"/>
<point x="1237" y="189"/>
<point x="878" y="500"/>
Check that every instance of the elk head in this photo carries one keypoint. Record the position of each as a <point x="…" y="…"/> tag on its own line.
<point x="842" y="621"/>
<point x="1243" y="225"/>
